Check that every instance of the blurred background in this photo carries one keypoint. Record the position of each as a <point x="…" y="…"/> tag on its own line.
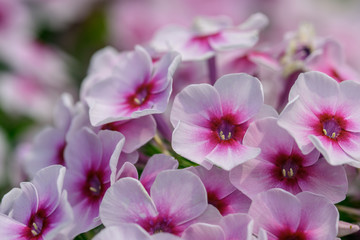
<point x="46" y="47"/>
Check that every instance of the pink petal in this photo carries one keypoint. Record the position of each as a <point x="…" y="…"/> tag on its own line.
<point x="227" y="156"/>
<point x="156" y="164"/>
<point x="275" y="209"/>
<point x="170" y="193"/>
<point x="317" y="91"/>
<point x="122" y="232"/>
<point x="11" y="229"/>
<point x="237" y="226"/>
<point x="203" y="231"/>
<point x="331" y="150"/>
<point x="26" y="204"/>
<point x="192" y="142"/>
<point x="196" y="104"/>
<point x="319" y="217"/>
<point x="131" y="201"/>
<point x="84" y="151"/>
<point x="327" y="180"/>
<point x="240" y="94"/>
<point x="233" y="38"/>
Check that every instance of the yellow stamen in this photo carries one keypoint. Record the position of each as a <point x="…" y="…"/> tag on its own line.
<point x="291" y="173"/>
<point x="34" y="232"/>
<point x="333" y="135"/>
<point x="284" y="172"/>
<point x="325" y="132"/>
<point x="35" y="226"/>
<point x="92" y="189"/>
<point x="222" y="136"/>
<point x="137" y="101"/>
<point x="229" y="135"/>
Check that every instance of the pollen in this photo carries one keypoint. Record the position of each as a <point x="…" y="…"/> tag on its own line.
<point x="34" y="232"/>
<point x="325" y="132"/>
<point x="138" y="101"/>
<point x="93" y="189"/>
<point x="222" y="136"/>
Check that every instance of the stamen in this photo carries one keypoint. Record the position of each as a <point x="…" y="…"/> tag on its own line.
<point x="93" y="189"/>
<point x="34" y="232"/>
<point x="284" y="172"/>
<point x="291" y="172"/>
<point x="222" y="136"/>
<point x="325" y="132"/>
<point x="35" y="226"/>
<point x="137" y="101"/>
<point x="333" y="135"/>
<point x="229" y="135"/>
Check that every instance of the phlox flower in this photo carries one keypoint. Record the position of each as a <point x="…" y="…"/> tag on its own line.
<point x="230" y="227"/>
<point x="323" y="114"/>
<point x="281" y="164"/>
<point x="284" y="216"/>
<point x="211" y="121"/>
<point x="168" y="208"/>
<point x="136" y="88"/>
<point x="220" y="192"/>
<point x="90" y="159"/>
<point x="131" y="231"/>
<point x="40" y="210"/>
<point x="49" y="144"/>
<point x="208" y="35"/>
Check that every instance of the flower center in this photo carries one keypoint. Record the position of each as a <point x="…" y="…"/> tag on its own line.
<point x="331" y="128"/>
<point x="36" y="224"/>
<point x="225" y="130"/>
<point x="141" y="95"/>
<point x="289" y="168"/>
<point x="93" y="185"/>
<point x="289" y="235"/>
<point x="158" y="225"/>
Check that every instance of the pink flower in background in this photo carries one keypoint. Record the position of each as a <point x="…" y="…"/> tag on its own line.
<point x="304" y="216"/>
<point x="50" y="143"/>
<point x="323" y="114"/>
<point x="168" y="208"/>
<point x="207" y="36"/>
<point x="210" y="122"/>
<point x="133" y="92"/>
<point x="41" y="210"/>
<point x="281" y="164"/>
<point x="220" y="192"/>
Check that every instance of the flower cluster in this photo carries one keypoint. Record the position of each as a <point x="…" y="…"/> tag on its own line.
<point x="257" y="150"/>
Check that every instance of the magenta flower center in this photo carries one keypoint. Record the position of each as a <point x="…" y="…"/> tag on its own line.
<point x="157" y="225"/>
<point x="37" y="223"/>
<point x="225" y="130"/>
<point x="140" y="96"/>
<point x="331" y="128"/>
<point x="94" y="188"/>
<point x="289" y="235"/>
<point x="214" y="200"/>
<point x="289" y="168"/>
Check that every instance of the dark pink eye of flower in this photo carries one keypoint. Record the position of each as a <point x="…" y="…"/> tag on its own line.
<point x="289" y="167"/>
<point x="331" y="126"/>
<point x="226" y="130"/>
<point x="141" y="95"/>
<point x="37" y="224"/>
<point x="94" y="188"/>
<point x="157" y="225"/>
<point x="289" y="235"/>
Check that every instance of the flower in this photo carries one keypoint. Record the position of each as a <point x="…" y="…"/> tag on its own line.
<point x="168" y="208"/>
<point x="208" y="35"/>
<point x="40" y="210"/>
<point x="323" y="114"/>
<point x="285" y="216"/>
<point x="136" y="88"/>
<point x="211" y="121"/>
<point x="281" y="164"/>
